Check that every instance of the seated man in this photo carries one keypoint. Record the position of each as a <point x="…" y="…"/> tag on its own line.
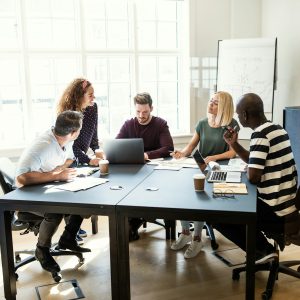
<point x="271" y="167"/>
<point x="156" y="136"/>
<point x="47" y="159"/>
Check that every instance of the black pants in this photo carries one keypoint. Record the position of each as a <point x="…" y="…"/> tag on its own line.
<point x="267" y="220"/>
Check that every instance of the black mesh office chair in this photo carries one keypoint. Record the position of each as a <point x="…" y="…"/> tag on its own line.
<point x="27" y="222"/>
<point x="275" y="266"/>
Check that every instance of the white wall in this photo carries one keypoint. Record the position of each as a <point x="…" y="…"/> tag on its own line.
<point x="215" y="20"/>
<point x="280" y="18"/>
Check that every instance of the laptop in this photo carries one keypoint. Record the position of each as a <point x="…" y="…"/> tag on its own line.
<point x="216" y="175"/>
<point x="124" y="151"/>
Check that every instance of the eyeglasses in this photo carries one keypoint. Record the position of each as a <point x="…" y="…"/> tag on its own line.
<point x="223" y="194"/>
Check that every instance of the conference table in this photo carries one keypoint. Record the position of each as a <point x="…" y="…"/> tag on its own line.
<point x="170" y="194"/>
<point x="99" y="200"/>
<point x="146" y="193"/>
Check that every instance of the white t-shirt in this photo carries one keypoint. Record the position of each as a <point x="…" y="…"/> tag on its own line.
<point x="44" y="155"/>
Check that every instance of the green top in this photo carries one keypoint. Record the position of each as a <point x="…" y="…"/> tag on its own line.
<point x="211" y="139"/>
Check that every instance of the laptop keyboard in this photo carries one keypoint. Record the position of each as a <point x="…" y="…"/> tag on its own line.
<point x="218" y="176"/>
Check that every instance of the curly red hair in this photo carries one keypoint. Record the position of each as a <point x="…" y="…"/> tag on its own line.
<point x="72" y="97"/>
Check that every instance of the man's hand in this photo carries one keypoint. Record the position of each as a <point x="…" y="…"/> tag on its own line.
<point x="66" y="174"/>
<point x="230" y="136"/>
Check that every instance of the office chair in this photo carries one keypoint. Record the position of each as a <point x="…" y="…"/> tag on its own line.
<point x="291" y="235"/>
<point x="169" y="225"/>
<point x="29" y="222"/>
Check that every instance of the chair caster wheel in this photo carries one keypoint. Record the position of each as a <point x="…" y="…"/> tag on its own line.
<point x="214" y="245"/>
<point x="235" y="275"/>
<point x="56" y="277"/>
<point x="266" y="295"/>
<point x="81" y="260"/>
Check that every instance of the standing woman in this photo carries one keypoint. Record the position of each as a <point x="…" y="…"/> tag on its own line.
<point x="209" y="132"/>
<point x="79" y="96"/>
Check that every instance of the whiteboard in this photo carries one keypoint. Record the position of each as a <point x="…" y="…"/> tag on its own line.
<point x="248" y="66"/>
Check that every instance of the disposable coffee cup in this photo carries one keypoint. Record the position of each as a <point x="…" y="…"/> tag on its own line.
<point x="103" y="166"/>
<point x="99" y="153"/>
<point x="199" y="181"/>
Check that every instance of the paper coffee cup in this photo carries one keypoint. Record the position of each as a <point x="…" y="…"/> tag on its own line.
<point x="199" y="181"/>
<point x="99" y="153"/>
<point x="103" y="166"/>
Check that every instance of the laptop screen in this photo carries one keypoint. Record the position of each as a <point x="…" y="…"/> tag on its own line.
<point x="124" y="151"/>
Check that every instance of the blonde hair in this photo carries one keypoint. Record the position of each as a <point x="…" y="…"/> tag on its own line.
<point x="225" y="110"/>
<point x="72" y="97"/>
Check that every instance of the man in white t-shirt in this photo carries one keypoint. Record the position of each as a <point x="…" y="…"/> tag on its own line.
<point x="48" y="159"/>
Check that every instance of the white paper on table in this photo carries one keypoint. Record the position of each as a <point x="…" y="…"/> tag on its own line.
<point x="79" y="184"/>
<point x="237" y="162"/>
<point x="227" y="168"/>
<point x="168" y="167"/>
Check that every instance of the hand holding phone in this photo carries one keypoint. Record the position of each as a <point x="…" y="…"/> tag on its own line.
<point x="230" y="135"/>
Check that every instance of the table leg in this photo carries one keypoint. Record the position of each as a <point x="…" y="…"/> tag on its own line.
<point x="250" y="262"/>
<point x="7" y="256"/>
<point x="123" y="256"/>
<point x="115" y="285"/>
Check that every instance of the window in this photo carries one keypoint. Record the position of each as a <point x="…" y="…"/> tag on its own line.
<point x="121" y="46"/>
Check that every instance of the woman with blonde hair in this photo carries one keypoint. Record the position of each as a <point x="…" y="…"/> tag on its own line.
<point x="209" y="134"/>
<point x="79" y="96"/>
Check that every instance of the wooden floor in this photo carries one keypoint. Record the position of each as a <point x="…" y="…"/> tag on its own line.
<point x="156" y="271"/>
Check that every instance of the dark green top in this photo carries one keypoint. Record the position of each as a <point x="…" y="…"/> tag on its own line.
<point x="211" y="139"/>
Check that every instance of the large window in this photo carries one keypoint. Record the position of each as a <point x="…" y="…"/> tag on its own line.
<point x="122" y="47"/>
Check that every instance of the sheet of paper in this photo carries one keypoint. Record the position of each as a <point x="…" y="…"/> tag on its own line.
<point x="238" y="163"/>
<point x="167" y="167"/>
<point x="184" y="162"/>
<point x="79" y="184"/>
<point x="86" y="171"/>
<point x="227" y="168"/>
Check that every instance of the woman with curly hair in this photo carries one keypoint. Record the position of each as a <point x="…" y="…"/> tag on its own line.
<point x="79" y="96"/>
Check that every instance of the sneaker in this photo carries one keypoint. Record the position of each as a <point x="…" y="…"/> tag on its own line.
<point x="42" y="254"/>
<point x="262" y="258"/>
<point x="79" y="240"/>
<point x="182" y="240"/>
<point x="82" y="233"/>
<point x="194" y="249"/>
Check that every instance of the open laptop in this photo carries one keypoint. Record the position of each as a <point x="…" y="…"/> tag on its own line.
<point x="124" y="151"/>
<point x="216" y="175"/>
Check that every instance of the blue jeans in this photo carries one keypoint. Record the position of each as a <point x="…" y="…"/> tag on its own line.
<point x="198" y="226"/>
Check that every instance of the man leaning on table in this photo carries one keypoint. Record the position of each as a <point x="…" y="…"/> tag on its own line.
<point x="156" y="137"/>
<point x="271" y="167"/>
<point x="48" y="159"/>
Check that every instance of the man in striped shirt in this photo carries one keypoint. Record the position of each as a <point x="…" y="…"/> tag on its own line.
<point x="271" y="167"/>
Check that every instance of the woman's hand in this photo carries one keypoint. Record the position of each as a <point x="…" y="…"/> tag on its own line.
<point x="177" y="154"/>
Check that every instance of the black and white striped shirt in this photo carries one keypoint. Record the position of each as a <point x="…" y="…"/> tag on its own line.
<point x="270" y="151"/>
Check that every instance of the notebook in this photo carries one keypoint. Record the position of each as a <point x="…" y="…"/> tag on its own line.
<point x="124" y="151"/>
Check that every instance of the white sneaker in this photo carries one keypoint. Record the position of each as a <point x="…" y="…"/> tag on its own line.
<point x="182" y="240"/>
<point x="193" y="249"/>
